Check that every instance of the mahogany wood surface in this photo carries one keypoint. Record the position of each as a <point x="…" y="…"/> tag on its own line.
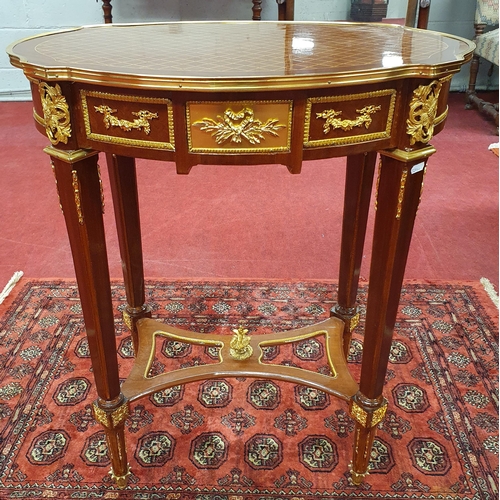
<point x="298" y="91"/>
<point x="342" y="385"/>
<point x="123" y="181"/>
<point x="357" y="197"/>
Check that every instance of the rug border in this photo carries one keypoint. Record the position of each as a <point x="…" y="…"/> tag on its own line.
<point x="486" y="300"/>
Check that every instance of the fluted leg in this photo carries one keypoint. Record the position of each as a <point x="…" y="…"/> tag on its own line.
<point x="79" y="186"/>
<point x="399" y="190"/>
<point x="358" y="186"/>
<point x="123" y="179"/>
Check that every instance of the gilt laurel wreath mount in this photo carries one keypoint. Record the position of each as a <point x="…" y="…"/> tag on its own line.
<point x="235" y="127"/>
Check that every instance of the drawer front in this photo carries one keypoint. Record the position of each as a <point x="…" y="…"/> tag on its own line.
<point x="128" y="120"/>
<point x="349" y="119"/>
<point x="228" y="127"/>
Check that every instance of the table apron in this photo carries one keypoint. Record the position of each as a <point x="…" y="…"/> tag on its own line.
<point x="236" y="128"/>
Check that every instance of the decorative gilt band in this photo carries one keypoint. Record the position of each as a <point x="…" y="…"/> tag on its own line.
<point x="101" y="189"/>
<point x="409" y="156"/>
<point x="131" y="315"/>
<point x="39" y="119"/>
<point x="368" y="419"/>
<point x="402" y="184"/>
<point x="111" y="419"/>
<point x="70" y="155"/>
<point x="57" y="187"/>
<point x="76" y="193"/>
<point x="354" y="322"/>
<point x="377" y="184"/>
<point x="127" y="320"/>
<point x="441" y="118"/>
<point x="357" y="477"/>
<point x="350" y="316"/>
<point x="121" y="481"/>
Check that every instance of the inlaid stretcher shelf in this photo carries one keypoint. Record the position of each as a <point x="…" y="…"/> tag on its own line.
<point x="240" y="356"/>
<point x="241" y="93"/>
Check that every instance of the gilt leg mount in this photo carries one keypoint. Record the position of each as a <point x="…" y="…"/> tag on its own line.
<point x="131" y="315"/>
<point x="367" y="413"/>
<point x="113" y="421"/>
<point x="350" y="317"/>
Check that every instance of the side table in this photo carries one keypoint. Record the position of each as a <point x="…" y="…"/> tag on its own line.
<point x="241" y="93"/>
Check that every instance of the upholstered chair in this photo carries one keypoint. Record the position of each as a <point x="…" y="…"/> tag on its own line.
<point x="487" y="49"/>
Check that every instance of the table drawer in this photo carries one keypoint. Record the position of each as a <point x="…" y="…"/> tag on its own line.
<point x="349" y="119"/>
<point x="128" y="120"/>
<point x="228" y="127"/>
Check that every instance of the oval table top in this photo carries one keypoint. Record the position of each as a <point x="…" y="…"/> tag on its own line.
<point x="239" y="55"/>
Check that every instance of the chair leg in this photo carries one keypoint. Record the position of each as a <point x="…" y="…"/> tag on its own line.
<point x="106" y="9"/>
<point x="285" y="10"/>
<point x="256" y="10"/>
<point x="471" y="91"/>
<point x="473" y="100"/>
<point x="474" y="68"/>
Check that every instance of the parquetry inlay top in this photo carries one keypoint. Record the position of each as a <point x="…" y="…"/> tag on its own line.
<point x="239" y="49"/>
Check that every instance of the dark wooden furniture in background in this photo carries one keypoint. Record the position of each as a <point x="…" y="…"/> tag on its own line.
<point x="285" y="10"/>
<point x="368" y="10"/>
<point x="417" y="13"/>
<point x="487" y="47"/>
<point x="106" y="9"/>
<point x="204" y="95"/>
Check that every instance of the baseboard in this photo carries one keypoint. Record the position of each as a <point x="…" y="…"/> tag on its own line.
<point x="15" y="95"/>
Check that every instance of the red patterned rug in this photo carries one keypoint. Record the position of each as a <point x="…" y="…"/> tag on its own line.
<point x="245" y="439"/>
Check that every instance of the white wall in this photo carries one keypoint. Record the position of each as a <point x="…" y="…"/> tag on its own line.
<point x="22" y="18"/>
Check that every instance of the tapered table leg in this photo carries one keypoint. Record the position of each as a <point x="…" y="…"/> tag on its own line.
<point x="399" y="190"/>
<point x="79" y="188"/>
<point x="123" y="179"/>
<point x="358" y="186"/>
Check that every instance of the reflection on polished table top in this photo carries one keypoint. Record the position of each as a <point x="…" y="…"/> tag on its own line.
<point x="241" y="93"/>
<point x="240" y="54"/>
